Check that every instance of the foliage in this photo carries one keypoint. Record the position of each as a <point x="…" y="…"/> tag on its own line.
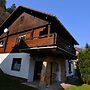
<point x="11" y="9"/>
<point x="84" y="64"/>
<point x="82" y="87"/>
<point x="3" y="4"/>
<point x="86" y="45"/>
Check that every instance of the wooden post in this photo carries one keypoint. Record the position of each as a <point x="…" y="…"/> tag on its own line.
<point x="49" y="29"/>
<point x="51" y="74"/>
<point x="46" y="77"/>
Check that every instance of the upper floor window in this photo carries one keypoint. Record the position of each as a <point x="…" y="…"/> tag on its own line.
<point x="1" y="43"/>
<point x="44" y="32"/>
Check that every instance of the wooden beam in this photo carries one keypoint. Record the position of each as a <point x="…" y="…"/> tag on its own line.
<point x="49" y="27"/>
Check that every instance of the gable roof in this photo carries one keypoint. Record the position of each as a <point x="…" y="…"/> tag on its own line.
<point x="44" y="16"/>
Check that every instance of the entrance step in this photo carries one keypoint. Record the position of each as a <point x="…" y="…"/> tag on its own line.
<point x="35" y="84"/>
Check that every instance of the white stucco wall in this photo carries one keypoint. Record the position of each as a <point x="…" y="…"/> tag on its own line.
<point x="56" y="69"/>
<point x="31" y="70"/>
<point x="67" y="69"/>
<point x="6" y="64"/>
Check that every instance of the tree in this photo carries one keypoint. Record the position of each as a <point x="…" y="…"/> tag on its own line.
<point x="11" y="9"/>
<point x="3" y="4"/>
<point x="84" y="64"/>
<point x="87" y="45"/>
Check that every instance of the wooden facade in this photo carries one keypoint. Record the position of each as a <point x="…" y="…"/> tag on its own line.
<point x="30" y="30"/>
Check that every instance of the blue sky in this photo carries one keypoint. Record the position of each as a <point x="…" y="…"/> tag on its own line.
<point x="74" y="15"/>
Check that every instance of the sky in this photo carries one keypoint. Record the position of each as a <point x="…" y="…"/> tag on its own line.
<point x="73" y="14"/>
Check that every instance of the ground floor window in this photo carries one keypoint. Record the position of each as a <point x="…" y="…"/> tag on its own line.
<point x="69" y="64"/>
<point x="16" y="64"/>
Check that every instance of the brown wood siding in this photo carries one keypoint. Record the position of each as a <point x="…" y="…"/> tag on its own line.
<point x="35" y="42"/>
<point x="25" y="22"/>
<point x="39" y="40"/>
<point x="28" y="34"/>
<point x="11" y="43"/>
<point x="62" y="43"/>
<point x="36" y="32"/>
<point x="1" y="49"/>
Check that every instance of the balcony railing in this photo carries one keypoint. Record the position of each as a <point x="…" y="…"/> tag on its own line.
<point x="49" y="40"/>
<point x="44" y="40"/>
<point x="65" y="45"/>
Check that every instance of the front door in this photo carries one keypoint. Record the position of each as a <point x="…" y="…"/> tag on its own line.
<point x="37" y="70"/>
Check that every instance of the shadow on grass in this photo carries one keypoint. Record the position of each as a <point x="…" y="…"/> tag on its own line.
<point x="8" y="83"/>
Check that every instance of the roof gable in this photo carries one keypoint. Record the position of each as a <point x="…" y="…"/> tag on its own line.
<point x="25" y="22"/>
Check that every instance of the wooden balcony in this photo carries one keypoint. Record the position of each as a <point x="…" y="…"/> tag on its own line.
<point x="50" y="40"/>
<point x="45" y="40"/>
<point x="64" y="45"/>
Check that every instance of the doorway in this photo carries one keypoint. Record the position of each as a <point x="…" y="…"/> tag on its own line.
<point x="37" y="70"/>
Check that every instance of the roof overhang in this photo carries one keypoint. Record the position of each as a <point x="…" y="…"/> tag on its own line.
<point x="50" y="49"/>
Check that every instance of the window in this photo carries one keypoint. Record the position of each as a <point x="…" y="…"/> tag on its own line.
<point x="16" y="64"/>
<point x="1" y="43"/>
<point x="69" y="66"/>
<point x="44" y="32"/>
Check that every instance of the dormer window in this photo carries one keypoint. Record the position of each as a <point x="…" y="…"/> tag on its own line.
<point x="1" y="43"/>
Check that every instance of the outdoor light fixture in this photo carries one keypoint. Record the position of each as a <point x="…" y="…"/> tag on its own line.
<point x="5" y="30"/>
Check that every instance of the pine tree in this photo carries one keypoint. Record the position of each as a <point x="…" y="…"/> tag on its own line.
<point x="84" y="64"/>
<point x="11" y="9"/>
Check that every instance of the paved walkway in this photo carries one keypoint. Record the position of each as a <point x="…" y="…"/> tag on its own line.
<point x="55" y="86"/>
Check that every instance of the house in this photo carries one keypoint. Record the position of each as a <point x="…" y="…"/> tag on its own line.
<point x="36" y="46"/>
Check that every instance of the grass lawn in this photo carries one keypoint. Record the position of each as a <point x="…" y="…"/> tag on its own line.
<point x="6" y="83"/>
<point x="82" y="87"/>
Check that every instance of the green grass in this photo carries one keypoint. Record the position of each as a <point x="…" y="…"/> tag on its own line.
<point x="7" y="83"/>
<point x="82" y="87"/>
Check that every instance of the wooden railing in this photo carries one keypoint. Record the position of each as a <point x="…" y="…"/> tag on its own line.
<point x="62" y="43"/>
<point x="48" y="40"/>
<point x="44" y="40"/>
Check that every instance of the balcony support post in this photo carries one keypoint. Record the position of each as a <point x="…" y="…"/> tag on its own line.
<point x="48" y="29"/>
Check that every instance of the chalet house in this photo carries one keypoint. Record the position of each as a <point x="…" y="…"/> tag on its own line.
<point x="36" y="46"/>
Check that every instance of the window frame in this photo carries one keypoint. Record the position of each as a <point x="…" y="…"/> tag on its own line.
<point x="2" y="45"/>
<point x="16" y="64"/>
<point x="69" y="67"/>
